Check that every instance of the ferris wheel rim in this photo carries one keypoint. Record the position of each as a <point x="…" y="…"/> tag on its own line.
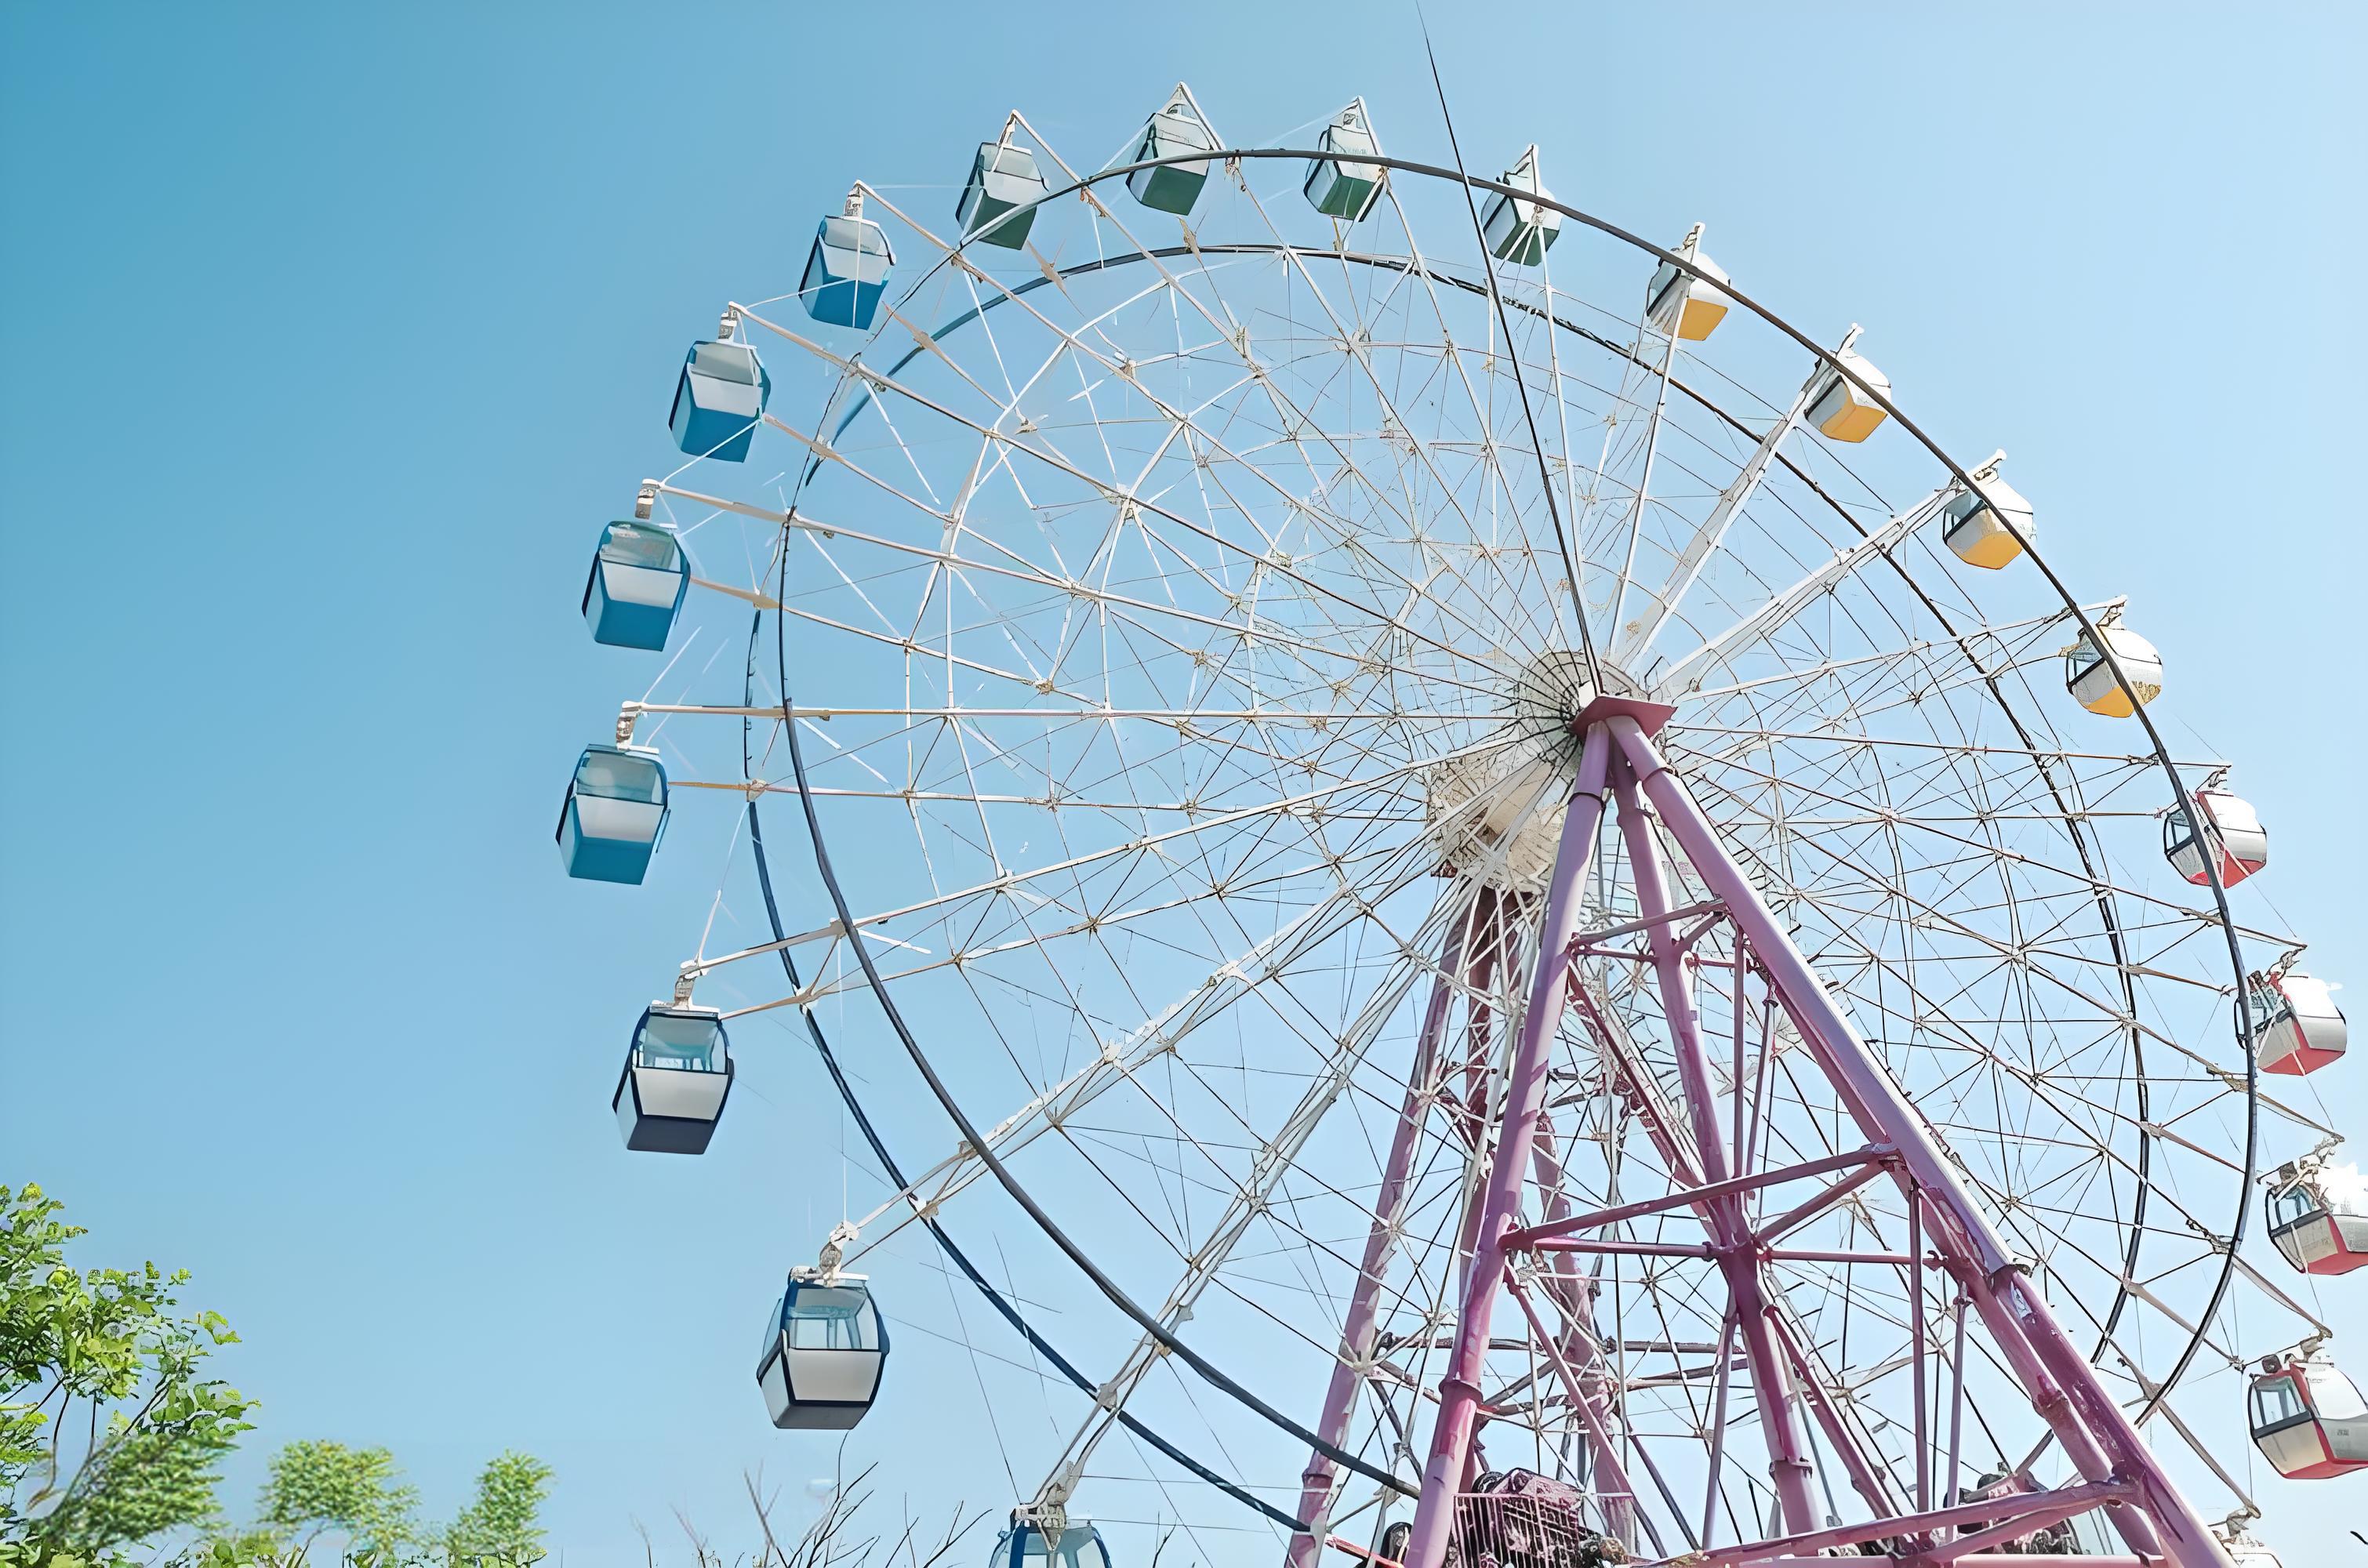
<point x="869" y="390"/>
<point x="2072" y="607"/>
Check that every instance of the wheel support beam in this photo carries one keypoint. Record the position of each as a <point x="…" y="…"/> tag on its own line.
<point x="2116" y="1472"/>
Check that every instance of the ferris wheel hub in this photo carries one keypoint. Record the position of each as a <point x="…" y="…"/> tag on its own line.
<point x="1495" y="814"/>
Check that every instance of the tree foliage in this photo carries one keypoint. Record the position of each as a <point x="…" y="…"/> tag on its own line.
<point x="112" y="1438"/>
<point x="110" y="1433"/>
<point x="322" y="1487"/>
<point x="320" y="1491"/>
<point x="502" y="1524"/>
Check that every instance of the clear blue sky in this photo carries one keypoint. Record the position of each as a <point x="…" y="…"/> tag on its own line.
<point x="332" y="333"/>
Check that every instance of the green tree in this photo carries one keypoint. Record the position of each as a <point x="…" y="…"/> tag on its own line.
<point x="321" y="1487"/>
<point x="110" y="1433"/>
<point x="502" y="1524"/>
<point x="321" y="1490"/>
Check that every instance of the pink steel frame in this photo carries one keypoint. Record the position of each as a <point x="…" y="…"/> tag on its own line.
<point x="1948" y="1229"/>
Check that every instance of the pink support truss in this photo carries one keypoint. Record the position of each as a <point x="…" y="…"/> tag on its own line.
<point x="2116" y="1473"/>
<point x="1521" y="1101"/>
<point x="1364" y="1300"/>
<point x="1747" y="1309"/>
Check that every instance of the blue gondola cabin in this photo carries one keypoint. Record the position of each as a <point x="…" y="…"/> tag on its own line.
<point x="1177" y="131"/>
<point x="1026" y="1545"/>
<point x="846" y="271"/>
<point x="1342" y="186"/>
<point x="639" y="576"/>
<point x="718" y="400"/>
<point x="1521" y="231"/>
<point x="614" y="812"/>
<point x="677" y="1075"/>
<point x="824" y="1352"/>
<point x="1003" y="180"/>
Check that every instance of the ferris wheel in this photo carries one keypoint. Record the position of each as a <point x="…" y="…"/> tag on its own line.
<point x="1544" y="931"/>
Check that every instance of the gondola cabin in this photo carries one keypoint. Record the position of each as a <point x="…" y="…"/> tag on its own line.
<point x="2308" y="1420"/>
<point x="1339" y="186"/>
<point x="2297" y="1028"/>
<point x="1841" y="409"/>
<point x="825" y="1350"/>
<point x="1516" y="231"/>
<point x="639" y="576"/>
<point x="2231" y="834"/>
<point x="1025" y="1545"/>
<point x="677" y="1075"/>
<point x="614" y="812"/>
<point x="2318" y="1217"/>
<point x="2093" y="683"/>
<point x="1974" y="523"/>
<point x="1678" y="301"/>
<point x="2244" y="1551"/>
<point x="846" y="271"/>
<point x="1175" y="132"/>
<point x="718" y="401"/>
<point x="1003" y="180"/>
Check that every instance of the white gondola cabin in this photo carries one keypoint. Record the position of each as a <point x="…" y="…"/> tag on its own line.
<point x="614" y="815"/>
<point x="1841" y="409"/>
<point x="1340" y="186"/>
<point x="1003" y="180"/>
<point x="2308" y="1419"/>
<point x="846" y="271"/>
<point x="718" y="401"/>
<point x="2091" y="679"/>
<point x="2317" y="1216"/>
<point x="677" y="1074"/>
<point x="1678" y="301"/>
<point x="825" y="1350"/>
<point x="1516" y="231"/>
<point x="2230" y="835"/>
<point x="1177" y="131"/>
<point x="639" y="576"/>
<point x="2244" y="1551"/>
<point x="2297" y="1028"/>
<point x="1975" y="523"/>
<point x="1027" y="1545"/>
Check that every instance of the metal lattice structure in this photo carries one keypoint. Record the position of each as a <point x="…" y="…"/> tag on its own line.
<point x="1522" y="913"/>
